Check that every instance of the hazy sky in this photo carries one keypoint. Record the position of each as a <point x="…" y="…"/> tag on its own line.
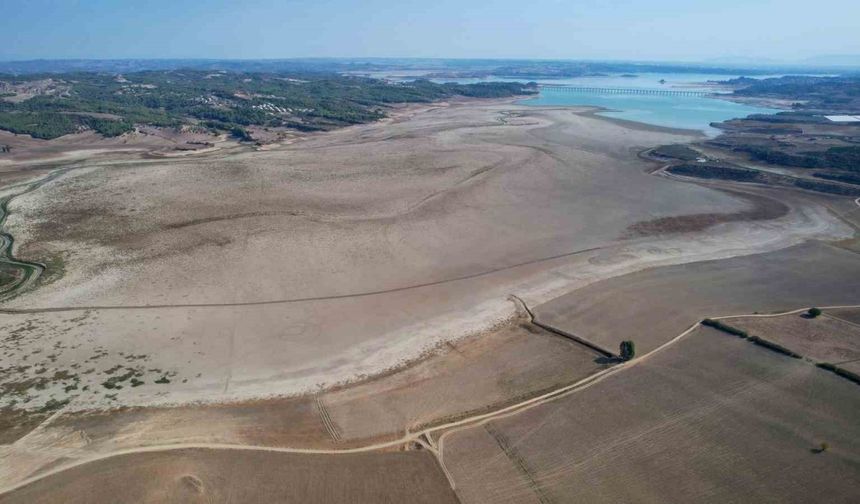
<point x="597" y="29"/>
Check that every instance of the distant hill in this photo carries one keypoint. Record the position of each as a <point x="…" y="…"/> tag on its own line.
<point x="745" y="61"/>
<point x="441" y="67"/>
<point x="839" y="60"/>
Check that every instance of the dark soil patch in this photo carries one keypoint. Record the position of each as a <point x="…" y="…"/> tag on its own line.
<point x="763" y="209"/>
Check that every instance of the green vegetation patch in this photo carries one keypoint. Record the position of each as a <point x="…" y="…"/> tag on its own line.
<point x="48" y="125"/>
<point x="847" y="178"/>
<point x="716" y="171"/>
<point x="627" y="350"/>
<point x="812" y="93"/>
<point x="222" y="101"/>
<point x="838" y="158"/>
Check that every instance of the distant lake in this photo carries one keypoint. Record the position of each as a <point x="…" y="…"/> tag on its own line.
<point x="689" y="112"/>
<point x="672" y="111"/>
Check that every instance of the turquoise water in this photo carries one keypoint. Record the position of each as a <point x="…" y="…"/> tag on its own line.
<point x="687" y="112"/>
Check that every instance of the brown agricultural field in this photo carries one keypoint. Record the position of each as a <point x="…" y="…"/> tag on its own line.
<point x="851" y="315"/>
<point x="222" y="476"/>
<point x="711" y="418"/>
<point x="651" y="306"/>
<point x="472" y="376"/>
<point x="826" y="338"/>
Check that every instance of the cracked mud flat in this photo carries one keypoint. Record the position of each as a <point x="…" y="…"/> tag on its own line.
<point x="255" y="274"/>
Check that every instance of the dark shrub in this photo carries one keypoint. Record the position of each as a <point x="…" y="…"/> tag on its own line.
<point x="627" y="350"/>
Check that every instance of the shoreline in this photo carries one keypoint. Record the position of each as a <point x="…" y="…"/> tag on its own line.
<point x="595" y="112"/>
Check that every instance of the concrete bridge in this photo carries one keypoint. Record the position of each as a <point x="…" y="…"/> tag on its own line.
<point x="624" y="91"/>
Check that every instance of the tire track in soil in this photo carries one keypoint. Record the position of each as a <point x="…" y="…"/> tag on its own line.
<point x="13" y="311"/>
<point x="327" y="421"/>
<point x="518" y="461"/>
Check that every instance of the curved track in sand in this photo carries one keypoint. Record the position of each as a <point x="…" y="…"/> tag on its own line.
<point x="423" y="437"/>
<point x="303" y="299"/>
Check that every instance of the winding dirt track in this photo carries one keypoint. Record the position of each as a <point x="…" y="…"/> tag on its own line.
<point x="424" y="437"/>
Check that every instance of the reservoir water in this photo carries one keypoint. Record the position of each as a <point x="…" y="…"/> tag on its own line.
<point x="688" y="112"/>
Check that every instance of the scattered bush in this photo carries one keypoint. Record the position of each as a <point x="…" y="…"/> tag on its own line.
<point x="53" y="405"/>
<point x="813" y="312"/>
